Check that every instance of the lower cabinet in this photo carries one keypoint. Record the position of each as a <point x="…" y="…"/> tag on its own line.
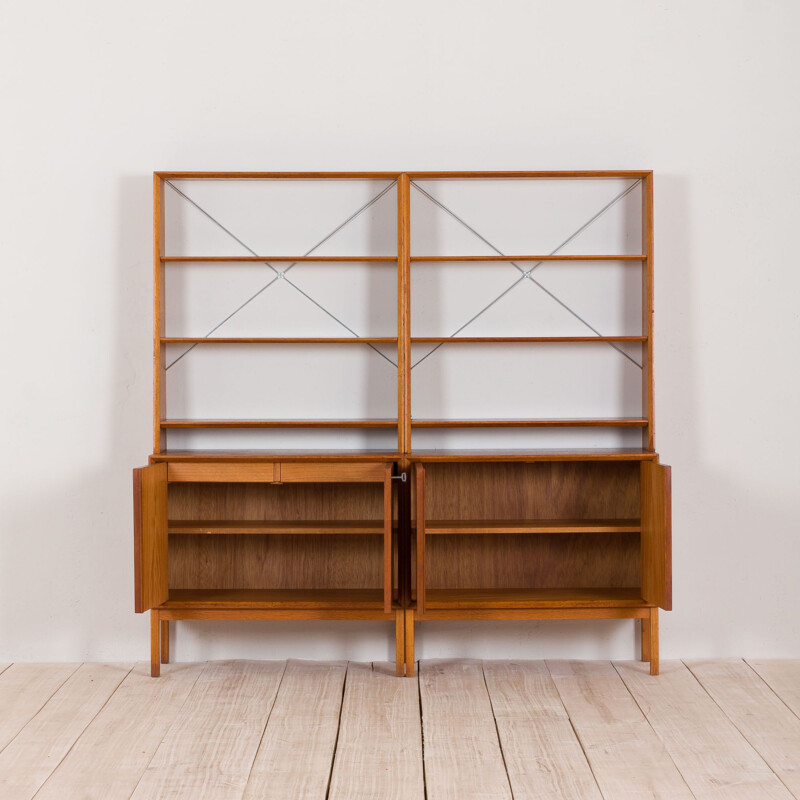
<point x="561" y="539"/>
<point x="264" y="540"/>
<point x="481" y="539"/>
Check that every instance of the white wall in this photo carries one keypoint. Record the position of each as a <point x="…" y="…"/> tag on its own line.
<point x="95" y="96"/>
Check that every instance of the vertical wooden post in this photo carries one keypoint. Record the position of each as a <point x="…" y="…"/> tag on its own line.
<point x="165" y="641"/>
<point x="645" y="631"/>
<point x="409" y="646"/>
<point x="400" y="642"/>
<point x="403" y="314"/>
<point x="653" y="626"/>
<point x="648" y="433"/>
<point x="159" y="371"/>
<point x="155" y="655"/>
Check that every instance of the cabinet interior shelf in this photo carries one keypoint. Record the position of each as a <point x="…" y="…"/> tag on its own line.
<point x="276" y="598"/>
<point x="533" y="598"/>
<point x="276" y="526"/>
<point x="447" y="526"/>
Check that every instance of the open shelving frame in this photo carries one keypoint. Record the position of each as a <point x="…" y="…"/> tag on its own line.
<point x="632" y="534"/>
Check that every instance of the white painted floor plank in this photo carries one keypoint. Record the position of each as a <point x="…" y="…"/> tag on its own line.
<point x="24" y="689"/>
<point x="543" y="757"/>
<point x="628" y="760"/>
<point x="783" y="677"/>
<point x="463" y="760"/>
<point x="209" y="750"/>
<point x="379" y="752"/>
<point x="296" y="754"/>
<point x="762" y="717"/>
<point x="31" y="757"/>
<point x="713" y="757"/>
<point x="111" y="755"/>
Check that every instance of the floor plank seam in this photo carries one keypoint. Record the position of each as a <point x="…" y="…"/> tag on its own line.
<point x="338" y="731"/>
<point x="741" y="732"/>
<point x="39" y="710"/>
<point x="7" y="666"/>
<point x="421" y="730"/>
<point x="266" y="725"/>
<point x="169" y="727"/>
<point x="78" y="737"/>
<point x="769" y="686"/>
<point x="655" y="732"/>
<point x="575" y="733"/>
<point x="497" y="731"/>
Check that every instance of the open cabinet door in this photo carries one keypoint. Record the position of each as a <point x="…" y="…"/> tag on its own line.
<point x="150" y="536"/>
<point x="657" y="534"/>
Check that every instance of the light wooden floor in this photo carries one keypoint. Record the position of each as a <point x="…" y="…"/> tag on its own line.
<point x="492" y="729"/>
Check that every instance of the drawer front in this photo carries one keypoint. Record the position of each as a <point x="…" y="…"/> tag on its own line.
<point x="277" y="472"/>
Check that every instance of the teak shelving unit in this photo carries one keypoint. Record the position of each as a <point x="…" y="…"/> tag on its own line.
<point x="404" y="535"/>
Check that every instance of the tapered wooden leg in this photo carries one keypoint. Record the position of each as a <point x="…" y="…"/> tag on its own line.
<point x="165" y="641"/>
<point x="400" y="643"/>
<point x="653" y="641"/>
<point x="409" y="646"/>
<point x="155" y="629"/>
<point x="645" y="638"/>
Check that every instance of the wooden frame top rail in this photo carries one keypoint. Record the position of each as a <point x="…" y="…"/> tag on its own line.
<point x="629" y="422"/>
<point x="521" y="339"/>
<point x="278" y="340"/>
<point x="167" y="175"/>
<point x="277" y="259"/>
<point x="278" y="423"/>
<point x="437" y="259"/>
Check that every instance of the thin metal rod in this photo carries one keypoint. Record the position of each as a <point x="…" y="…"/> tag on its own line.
<point x="278" y="273"/>
<point x="527" y="273"/>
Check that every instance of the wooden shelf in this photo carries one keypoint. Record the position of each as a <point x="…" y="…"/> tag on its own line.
<point x="234" y="456"/>
<point x="276" y="527"/>
<point x="583" y="454"/>
<point x="533" y="598"/>
<point x="448" y="526"/>
<point x="278" y="423"/>
<point x="276" y="598"/>
<point x="630" y="422"/>
<point x="278" y="340"/>
<point x="440" y="259"/>
<point x="277" y="259"/>
<point x="520" y="339"/>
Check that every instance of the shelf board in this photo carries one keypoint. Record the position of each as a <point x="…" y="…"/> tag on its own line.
<point x="627" y="422"/>
<point x="278" y="340"/>
<point x="277" y="259"/>
<point x="589" y="454"/>
<point x="276" y="526"/>
<point x="440" y="259"/>
<point x="278" y="423"/>
<point x="276" y="598"/>
<point x="447" y="526"/>
<point x="301" y="456"/>
<point x="521" y="339"/>
<point x="533" y="598"/>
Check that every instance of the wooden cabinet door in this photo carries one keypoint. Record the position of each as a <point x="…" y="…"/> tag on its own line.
<point x="150" y="536"/>
<point x="657" y="534"/>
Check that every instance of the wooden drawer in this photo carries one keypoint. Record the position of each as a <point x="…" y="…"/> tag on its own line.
<point x="277" y="472"/>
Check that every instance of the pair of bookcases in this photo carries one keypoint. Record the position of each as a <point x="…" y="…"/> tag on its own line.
<point x="558" y="514"/>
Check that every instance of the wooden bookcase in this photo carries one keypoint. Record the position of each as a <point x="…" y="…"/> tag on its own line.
<point x="407" y="533"/>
